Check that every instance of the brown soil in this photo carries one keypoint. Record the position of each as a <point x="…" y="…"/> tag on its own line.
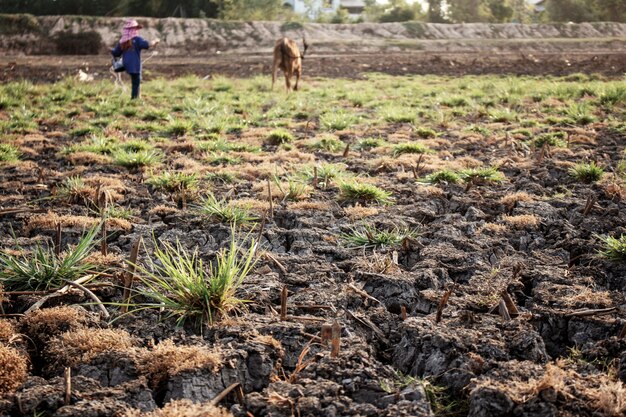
<point x="53" y="68"/>
<point x="489" y="366"/>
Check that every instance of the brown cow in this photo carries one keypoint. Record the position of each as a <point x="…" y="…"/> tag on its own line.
<point x="287" y="57"/>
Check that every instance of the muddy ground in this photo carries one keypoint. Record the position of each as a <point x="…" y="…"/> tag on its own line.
<point x="53" y="68"/>
<point x="481" y="362"/>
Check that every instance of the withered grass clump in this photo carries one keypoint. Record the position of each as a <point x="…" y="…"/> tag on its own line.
<point x="358" y="211"/>
<point x="41" y="325"/>
<point x="167" y="359"/>
<point x="510" y="200"/>
<point x="522" y="221"/>
<point x="50" y="220"/>
<point x="7" y="331"/>
<point x="82" y="345"/>
<point x="182" y="408"/>
<point x="571" y="389"/>
<point x="13" y="369"/>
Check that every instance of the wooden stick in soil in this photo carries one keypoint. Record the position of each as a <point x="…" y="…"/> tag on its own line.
<point x="346" y="151"/>
<point x="219" y="397"/>
<point x="269" y="195"/>
<point x="335" y="341"/>
<point x="276" y="262"/>
<point x="283" y="303"/>
<point x="510" y="304"/>
<point x="326" y="333"/>
<point x="128" y="276"/>
<point x="417" y="168"/>
<point x="57" y="240"/>
<point x="104" y="250"/>
<point x="403" y="313"/>
<point x="503" y="311"/>
<point x="591" y="201"/>
<point x="442" y="304"/>
<point x="68" y="385"/>
<point x="622" y="334"/>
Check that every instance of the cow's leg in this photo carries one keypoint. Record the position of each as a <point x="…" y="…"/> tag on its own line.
<point x="288" y="80"/>
<point x="297" y="72"/>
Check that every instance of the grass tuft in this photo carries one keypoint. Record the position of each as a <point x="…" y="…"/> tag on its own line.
<point x="587" y="172"/>
<point x="614" y="248"/>
<point x="410" y="148"/>
<point x="225" y="211"/>
<point x="177" y="282"/>
<point x="136" y="159"/>
<point x="9" y="153"/>
<point x="173" y="182"/>
<point x="355" y="192"/>
<point x="44" y="269"/>
<point x="279" y="137"/>
<point x="443" y="176"/>
<point x="369" y="236"/>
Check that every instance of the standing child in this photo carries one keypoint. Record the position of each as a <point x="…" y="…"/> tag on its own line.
<point x="129" y="48"/>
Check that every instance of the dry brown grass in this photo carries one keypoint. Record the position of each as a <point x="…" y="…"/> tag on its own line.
<point x="88" y="158"/>
<point x="493" y="228"/>
<point x="163" y="210"/>
<point x="432" y="191"/>
<point x="82" y="345"/>
<point x="182" y="408"/>
<point x="573" y="390"/>
<point x="614" y="190"/>
<point x="167" y="359"/>
<point x="105" y="261"/>
<point x="378" y="263"/>
<point x="7" y="331"/>
<point x="468" y="162"/>
<point x="13" y="369"/>
<point x="256" y="206"/>
<point x="358" y="212"/>
<point x="572" y="296"/>
<point x="180" y="146"/>
<point x="267" y="340"/>
<point x="309" y="205"/>
<point x="50" y="220"/>
<point x="522" y="221"/>
<point x="510" y="200"/>
<point x="50" y="322"/>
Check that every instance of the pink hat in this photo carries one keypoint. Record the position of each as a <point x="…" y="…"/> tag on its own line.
<point x="132" y="24"/>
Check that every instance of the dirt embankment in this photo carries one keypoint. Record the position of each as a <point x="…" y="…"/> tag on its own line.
<point x="36" y="35"/>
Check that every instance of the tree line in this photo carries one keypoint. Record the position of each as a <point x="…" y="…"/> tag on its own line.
<point x="436" y="11"/>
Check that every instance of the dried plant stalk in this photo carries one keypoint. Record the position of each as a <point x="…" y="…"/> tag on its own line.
<point x="335" y="340"/>
<point x="129" y="274"/>
<point x="283" y="304"/>
<point x="510" y="304"/>
<point x="326" y="333"/>
<point x="442" y="304"/>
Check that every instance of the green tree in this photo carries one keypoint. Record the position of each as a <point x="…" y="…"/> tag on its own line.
<point x="435" y="11"/>
<point x="250" y="9"/>
<point x="569" y="10"/>
<point x="460" y="11"/>
<point x="609" y="10"/>
<point x="501" y="11"/>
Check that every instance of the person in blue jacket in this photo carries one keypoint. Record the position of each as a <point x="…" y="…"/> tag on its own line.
<point x="129" y="48"/>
